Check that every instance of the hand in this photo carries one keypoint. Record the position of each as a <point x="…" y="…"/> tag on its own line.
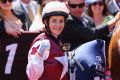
<point x="45" y="44"/>
<point x="113" y="22"/>
<point x="14" y="33"/>
<point x="117" y="27"/>
<point x="117" y="17"/>
<point x="44" y="48"/>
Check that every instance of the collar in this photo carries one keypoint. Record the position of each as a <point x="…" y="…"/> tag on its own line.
<point x="23" y="4"/>
<point x="56" y="40"/>
<point x="71" y="17"/>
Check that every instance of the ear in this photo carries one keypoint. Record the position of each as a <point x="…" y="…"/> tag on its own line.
<point x="45" y="22"/>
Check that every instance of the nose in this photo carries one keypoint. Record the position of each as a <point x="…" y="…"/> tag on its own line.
<point x="58" y="24"/>
<point x="77" y="8"/>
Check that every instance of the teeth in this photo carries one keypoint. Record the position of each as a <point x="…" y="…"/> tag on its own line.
<point x="57" y="28"/>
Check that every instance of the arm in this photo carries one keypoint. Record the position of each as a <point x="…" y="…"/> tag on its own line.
<point x="37" y="54"/>
<point x="75" y="31"/>
<point x="107" y="27"/>
<point x="113" y="22"/>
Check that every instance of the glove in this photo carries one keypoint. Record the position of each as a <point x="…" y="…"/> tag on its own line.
<point x="44" y="45"/>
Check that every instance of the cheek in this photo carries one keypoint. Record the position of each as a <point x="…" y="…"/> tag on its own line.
<point x="92" y="7"/>
<point x="71" y="10"/>
<point x="1" y="6"/>
<point x="102" y="8"/>
<point x="63" y="24"/>
<point x="51" y="25"/>
<point x="6" y="6"/>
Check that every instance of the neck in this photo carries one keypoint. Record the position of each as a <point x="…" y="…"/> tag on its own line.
<point x="98" y="19"/>
<point x="7" y="13"/>
<point x="55" y="36"/>
<point x="97" y="15"/>
<point x="52" y="37"/>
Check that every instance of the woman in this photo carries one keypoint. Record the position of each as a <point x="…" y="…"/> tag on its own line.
<point x="98" y="10"/>
<point x="114" y="54"/>
<point x="11" y="22"/>
<point x="46" y="60"/>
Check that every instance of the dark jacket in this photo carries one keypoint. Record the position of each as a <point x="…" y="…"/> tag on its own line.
<point x="76" y="33"/>
<point x="19" y="15"/>
<point x="18" y="6"/>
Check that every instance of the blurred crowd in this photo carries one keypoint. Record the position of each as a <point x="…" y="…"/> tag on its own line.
<point x="88" y="20"/>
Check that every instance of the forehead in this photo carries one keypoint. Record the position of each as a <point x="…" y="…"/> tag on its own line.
<point x="56" y="17"/>
<point x="76" y="1"/>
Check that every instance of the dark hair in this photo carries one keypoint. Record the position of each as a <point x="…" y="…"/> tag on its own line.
<point x="105" y="10"/>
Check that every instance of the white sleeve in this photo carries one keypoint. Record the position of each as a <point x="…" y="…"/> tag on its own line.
<point x="35" y="65"/>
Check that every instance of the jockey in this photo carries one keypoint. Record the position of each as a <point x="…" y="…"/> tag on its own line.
<point x="46" y="59"/>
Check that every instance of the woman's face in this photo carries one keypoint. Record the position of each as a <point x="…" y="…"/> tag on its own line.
<point x="56" y="25"/>
<point x="97" y="7"/>
<point x="6" y="5"/>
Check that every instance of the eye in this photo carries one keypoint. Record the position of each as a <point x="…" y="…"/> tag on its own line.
<point x="53" y="20"/>
<point x="61" y="21"/>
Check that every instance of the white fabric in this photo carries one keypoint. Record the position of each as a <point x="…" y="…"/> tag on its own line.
<point x="54" y="6"/>
<point x="64" y="61"/>
<point x="35" y="65"/>
<point x="31" y="5"/>
<point x="37" y="25"/>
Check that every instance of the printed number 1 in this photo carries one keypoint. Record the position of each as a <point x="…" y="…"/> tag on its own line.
<point x="12" y="50"/>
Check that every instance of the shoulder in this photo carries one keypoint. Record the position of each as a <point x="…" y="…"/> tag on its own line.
<point x="34" y="2"/>
<point x="16" y="2"/>
<point x="17" y="12"/>
<point x="16" y="5"/>
<point x="39" y="37"/>
<point x="108" y="18"/>
<point x="1" y="24"/>
<point x="87" y="18"/>
<point x="39" y="42"/>
<point x="20" y="15"/>
<point x="35" y="5"/>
